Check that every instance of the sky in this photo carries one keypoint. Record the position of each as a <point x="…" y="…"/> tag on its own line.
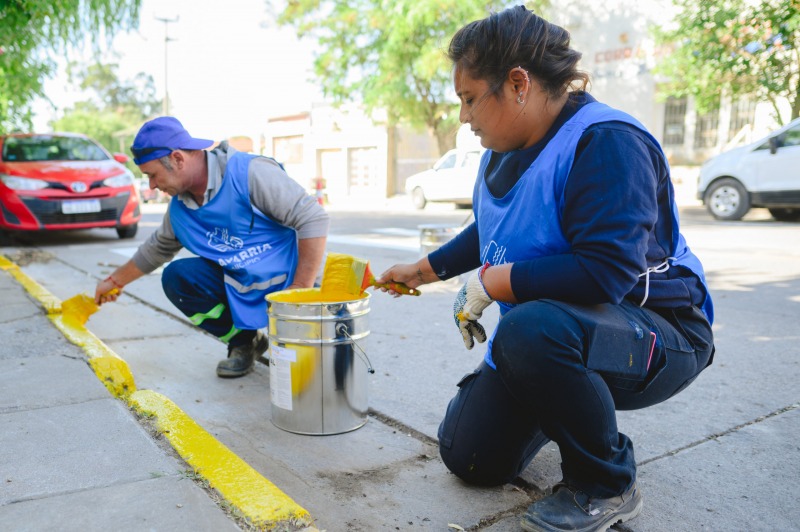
<point x="229" y="66"/>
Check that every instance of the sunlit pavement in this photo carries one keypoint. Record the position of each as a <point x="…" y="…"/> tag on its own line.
<point x="719" y="456"/>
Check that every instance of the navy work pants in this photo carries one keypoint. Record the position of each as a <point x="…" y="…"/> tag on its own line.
<point x="562" y="372"/>
<point x="196" y="287"/>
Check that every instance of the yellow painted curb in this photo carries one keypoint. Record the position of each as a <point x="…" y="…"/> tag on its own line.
<point x="112" y="371"/>
<point x="50" y="302"/>
<point x="258" y="499"/>
<point x="237" y="482"/>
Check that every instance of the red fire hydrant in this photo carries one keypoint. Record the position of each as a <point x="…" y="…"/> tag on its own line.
<point x="319" y="190"/>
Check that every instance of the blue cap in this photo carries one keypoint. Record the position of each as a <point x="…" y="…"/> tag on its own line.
<point x="160" y="137"/>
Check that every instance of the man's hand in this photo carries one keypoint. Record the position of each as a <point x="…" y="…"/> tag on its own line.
<point x="110" y="288"/>
<point x="470" y="302"/>
<point x="107" y="290"/>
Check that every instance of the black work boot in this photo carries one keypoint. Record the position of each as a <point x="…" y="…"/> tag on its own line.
<point x="571" y="509"/>
<point x="240" y="358"/>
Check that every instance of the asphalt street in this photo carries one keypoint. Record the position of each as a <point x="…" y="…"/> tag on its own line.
<point x="722" y="455"/>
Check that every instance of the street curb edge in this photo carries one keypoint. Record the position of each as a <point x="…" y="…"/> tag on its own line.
<point x="258" y="499"/>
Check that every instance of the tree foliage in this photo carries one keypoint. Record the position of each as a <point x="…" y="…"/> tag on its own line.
<point x="742" y="47"/>
<point x="389" y="54"/>
<point x="32" y="32"/>
<point x="114" y="109"/>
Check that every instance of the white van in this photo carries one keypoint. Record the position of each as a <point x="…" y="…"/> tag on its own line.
<point x="451" y="179"/>
<point x="765" y="173"/>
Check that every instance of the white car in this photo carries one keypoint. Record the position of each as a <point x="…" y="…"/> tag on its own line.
<point x="765" y="173"/>
<point x="451" y="179"/>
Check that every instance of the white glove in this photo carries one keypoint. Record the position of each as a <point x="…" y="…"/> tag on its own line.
<point x="470" y="302"/>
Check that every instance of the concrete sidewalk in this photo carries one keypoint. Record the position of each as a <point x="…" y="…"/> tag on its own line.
<point x="75" y="455"/>
<point x="722" y="455"/>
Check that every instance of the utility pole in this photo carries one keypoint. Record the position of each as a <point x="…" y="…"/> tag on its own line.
<point x="166" y="21"/>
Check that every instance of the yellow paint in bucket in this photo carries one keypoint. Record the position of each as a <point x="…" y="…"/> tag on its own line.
<point x="312" y="295"/>
<point x="305" y="363"/>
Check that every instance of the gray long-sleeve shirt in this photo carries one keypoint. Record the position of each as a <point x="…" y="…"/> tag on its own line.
<point x="272" y="192"/>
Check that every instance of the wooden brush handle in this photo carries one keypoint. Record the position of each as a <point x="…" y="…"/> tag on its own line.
<point x="400" y="288"/>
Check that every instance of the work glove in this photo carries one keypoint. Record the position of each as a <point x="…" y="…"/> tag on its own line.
<point x="470" y="302"/>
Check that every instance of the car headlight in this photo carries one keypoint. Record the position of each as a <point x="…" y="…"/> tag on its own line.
<point x="22" y="183"/>
<point x="121" y="180"/>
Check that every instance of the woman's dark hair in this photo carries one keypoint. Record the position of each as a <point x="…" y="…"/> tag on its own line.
<point x="487" y="49"/>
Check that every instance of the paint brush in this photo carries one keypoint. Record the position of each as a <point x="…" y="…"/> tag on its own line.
<point x="78" y="308"/>
<point x="352" y="275"/>
<point x="400" y="288"/>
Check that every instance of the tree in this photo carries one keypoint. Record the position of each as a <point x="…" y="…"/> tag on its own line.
<point x="33" y="31"/>
<point x="741" y="47"/>
<point x="114" y="110"/>
<point x="389" y="54"/>
<point x="113" y="93"/>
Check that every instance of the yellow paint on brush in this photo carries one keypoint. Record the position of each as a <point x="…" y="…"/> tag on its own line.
<point x="77" y="309"/>
<point x="351" y="275"/>
<point x="343" y="274"/>
<point x="258" y="498"/>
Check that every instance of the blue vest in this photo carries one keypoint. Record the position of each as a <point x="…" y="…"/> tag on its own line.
<point x="257" y="255"/>
<point x="526" y="222"/>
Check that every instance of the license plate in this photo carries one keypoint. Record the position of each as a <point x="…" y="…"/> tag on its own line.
<point x="80" y="206"/>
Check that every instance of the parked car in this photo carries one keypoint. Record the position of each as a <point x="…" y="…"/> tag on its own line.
<point x="147" y="194"/>
<point x="765" y="173"/>
<point x="451" y="179"/>
<point x="61" y="181"/>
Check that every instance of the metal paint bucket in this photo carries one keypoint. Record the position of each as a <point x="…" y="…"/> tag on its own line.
<point x="433" y="236"/>
<point x="318" y="372"/>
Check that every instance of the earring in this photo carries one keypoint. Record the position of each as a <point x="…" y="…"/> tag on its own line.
<point x="519" y="98"/>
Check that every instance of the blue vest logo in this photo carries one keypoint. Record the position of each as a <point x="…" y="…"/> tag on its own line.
<point x="221" y="241"/>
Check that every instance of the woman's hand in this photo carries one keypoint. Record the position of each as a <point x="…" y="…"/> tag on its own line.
<point x="411" y="275"/>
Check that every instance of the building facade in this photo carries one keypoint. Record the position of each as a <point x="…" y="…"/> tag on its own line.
<point x="354" y="155"/>
<point x="361" y="157"/>
<point x="620" y="54"/>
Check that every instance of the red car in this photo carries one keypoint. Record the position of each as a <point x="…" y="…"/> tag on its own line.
<point x="60" y="181"/>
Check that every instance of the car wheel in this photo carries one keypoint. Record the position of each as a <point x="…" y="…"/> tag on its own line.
<point x="785" y="214"/>
<point x="127" y="231"/>
<point x="418" y="198"/>
<point x="727" y="199"/>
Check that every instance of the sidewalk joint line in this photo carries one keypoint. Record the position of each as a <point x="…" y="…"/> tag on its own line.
<point x="402" y="427"/>
<point x="720" y="434"/>
<point x="128" y="294"/>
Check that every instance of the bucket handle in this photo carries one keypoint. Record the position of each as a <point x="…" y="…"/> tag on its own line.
<point x="341" y="328"/>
